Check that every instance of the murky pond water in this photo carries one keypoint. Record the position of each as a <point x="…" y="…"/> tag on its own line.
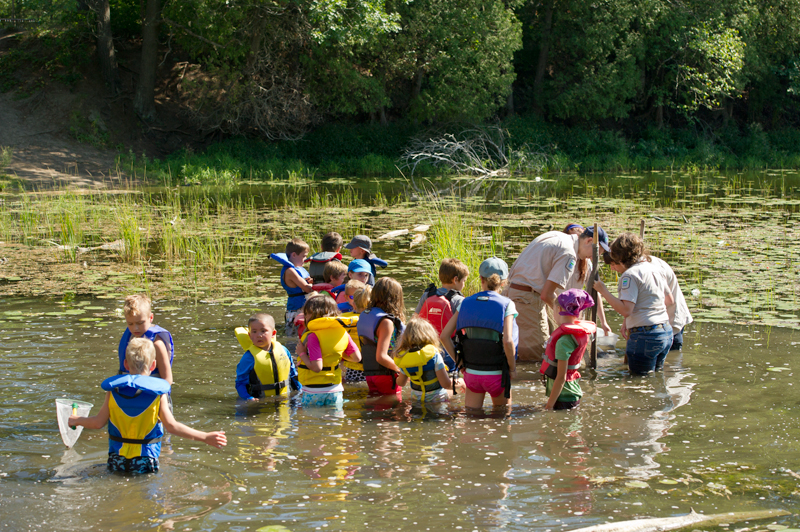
<point x="716" y="431"/>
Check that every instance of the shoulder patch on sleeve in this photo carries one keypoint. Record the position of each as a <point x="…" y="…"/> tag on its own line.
<point x="625" y="282"/>
<point x="571" y="264"/>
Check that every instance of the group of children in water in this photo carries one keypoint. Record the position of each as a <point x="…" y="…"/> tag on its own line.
<point x="351" y="328"/>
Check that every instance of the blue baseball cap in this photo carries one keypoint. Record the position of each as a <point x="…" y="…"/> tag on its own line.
<point x="493" y="265"/>
<point x="602" y="237"/>
<point x="359" y="265"/>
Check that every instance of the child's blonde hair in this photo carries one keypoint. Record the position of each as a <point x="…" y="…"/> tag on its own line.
<point x="387" y="295"/>
<point x="361" y="298"/>
<point x="138" y="303"/>
<point x="494" y="282"/>
<point x="333" y="269"/>
<point x="354" y="285"/>
<point x="321" y="306"/>
<point x="417" y="334"/>
<point x="262" y="316"/>
<point x="140" y="355"/>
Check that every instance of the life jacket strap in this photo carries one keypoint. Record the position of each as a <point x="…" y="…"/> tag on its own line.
<point x="554" y="363"/>
<point x="278" y="386"/>
<point x="133" y="441"/>
<point x="324" y="368"/>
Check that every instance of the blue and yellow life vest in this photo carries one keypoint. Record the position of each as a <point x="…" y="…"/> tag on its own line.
<point x="133" y="409"/>
<point x="368" y="322"/>
<point x="420" y="367"/>
<point x="332" y="333"/>
<point x="270" y="373"/>
<point x="484" y="352"/>
<point x="151" y="333"/>
<point x="296" y="294"/>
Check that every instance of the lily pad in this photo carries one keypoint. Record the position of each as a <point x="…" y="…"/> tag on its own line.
<point x="637" y="484"/>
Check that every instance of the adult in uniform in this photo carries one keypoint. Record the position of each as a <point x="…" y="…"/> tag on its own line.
<point x="552" y="263"/>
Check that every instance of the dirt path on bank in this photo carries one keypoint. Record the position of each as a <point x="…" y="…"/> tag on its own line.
<point x="43" y="154"/>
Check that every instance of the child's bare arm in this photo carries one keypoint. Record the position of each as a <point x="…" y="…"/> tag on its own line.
<point x="293" y="280"/>
<point x="384" y="334"/>
<point x="447" y="334"/>
<point x="93" y="422"/>
<point x="215" y="439"/>
<point x="558" y="384"/>
<point x="162" y="360"/>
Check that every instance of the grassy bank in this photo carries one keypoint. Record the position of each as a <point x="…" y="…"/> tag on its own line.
<point x="364" y="150"/>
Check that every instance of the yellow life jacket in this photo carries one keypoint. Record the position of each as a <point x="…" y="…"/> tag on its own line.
<point x="353" y="332"/>
<point x="271" y="368"/>
<point x="333" y="341"/>
<point x="422" y="363"/>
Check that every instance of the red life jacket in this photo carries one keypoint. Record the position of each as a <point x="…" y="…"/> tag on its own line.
<point x="437" y="310"/>
<point x="581" y="332"/>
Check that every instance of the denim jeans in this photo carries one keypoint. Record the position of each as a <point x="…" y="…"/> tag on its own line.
<point x="677" y="341"/>
<point x="647" y="350"/>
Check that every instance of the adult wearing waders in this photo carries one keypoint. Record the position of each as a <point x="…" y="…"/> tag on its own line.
<point x="552" y="263"/>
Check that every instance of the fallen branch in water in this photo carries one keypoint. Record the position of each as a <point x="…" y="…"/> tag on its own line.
<point x="674" y="523"/>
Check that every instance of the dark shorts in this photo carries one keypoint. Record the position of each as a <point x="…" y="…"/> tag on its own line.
<point x="140" y="464"/>
<point x="566" y="405"/>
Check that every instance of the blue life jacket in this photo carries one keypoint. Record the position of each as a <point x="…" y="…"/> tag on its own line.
<point x="150" y="334"/>
<point x="484" y="310"/>
<point x="345" y="307"/>
<point x="133" y="408"/>
<point x="368" y="322"/>
<point x="296" y="294"/>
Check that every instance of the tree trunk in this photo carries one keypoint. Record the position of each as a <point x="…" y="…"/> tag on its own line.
<point x="544" y="50"/>
<point x="105" y="46"/>
<point x="144" y="102"/>
<point x="510" y="102"/>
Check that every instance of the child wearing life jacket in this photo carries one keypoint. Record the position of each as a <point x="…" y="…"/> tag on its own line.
<point x="354" y="371"/>
<point x="418" y="355"/>
<point x="438" y="304"/>
<point x="565" y="348"/>
<point x="361" y="248"/>
<point x="379" y="327"/>
<point x="334" y="275"/>
<point x="331" y="245"/>
<point x="486" y="328"/>
<point x="323" y="346"/>
<point x="294" y="279"/>
<point x="137" y="413"/>
<point x="139" y="318"/>
<point x="266" y="369"/>
<point x="349" y="292"/>
<point x="357" y="270"/>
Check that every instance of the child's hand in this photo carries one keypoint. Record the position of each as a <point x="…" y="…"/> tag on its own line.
<point x="252" y="399"/>
<point x="606" y="328"/>
<point x="216" y="439"/>
<point x="460" y="386"/>
<point x="73" y="421"/>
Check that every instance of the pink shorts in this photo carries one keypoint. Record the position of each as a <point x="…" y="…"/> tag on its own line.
<point x="383" y="385"/>
<point x="491" y="384"/>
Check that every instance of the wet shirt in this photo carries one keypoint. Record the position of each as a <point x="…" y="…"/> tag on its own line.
<point x="644" y="285"/>
<point x="552" y="256"/>
<point x="680" y="308"/>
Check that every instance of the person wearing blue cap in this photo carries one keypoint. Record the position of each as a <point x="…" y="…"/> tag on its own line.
<point x="553" y="262"/>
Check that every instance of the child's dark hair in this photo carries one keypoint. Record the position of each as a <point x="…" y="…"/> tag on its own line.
<point x="387" y="295"/>
<point x="320" y="306"/>
<point x="262" y="316"/>
<point x="296" y="245"/>
<point x="449" y="269"/>
<point x="332" y="241"/>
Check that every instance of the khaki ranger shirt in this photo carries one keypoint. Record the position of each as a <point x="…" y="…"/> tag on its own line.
<point x="552" y="256"/>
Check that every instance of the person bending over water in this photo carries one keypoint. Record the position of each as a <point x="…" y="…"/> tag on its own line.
<point x="643" y="300"/>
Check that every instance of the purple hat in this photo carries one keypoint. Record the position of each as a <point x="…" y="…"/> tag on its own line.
<point x="573" y="301"/>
